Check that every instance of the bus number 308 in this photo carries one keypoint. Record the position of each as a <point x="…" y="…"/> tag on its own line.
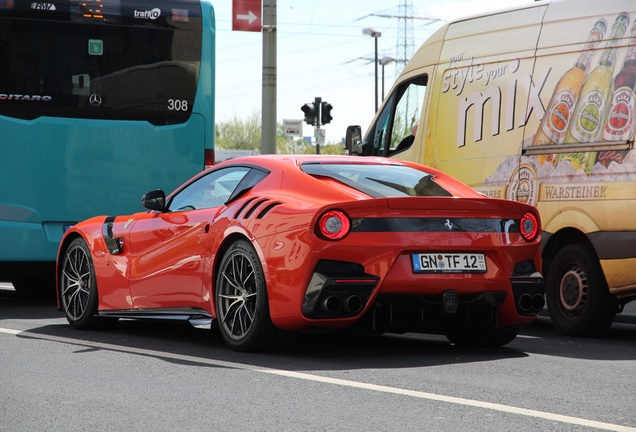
<point x="177" y="105"/>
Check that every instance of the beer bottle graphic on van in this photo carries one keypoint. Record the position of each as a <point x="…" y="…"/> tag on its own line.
<point x="556" y="119"/>
<point x="588" y="121"/>
<point x="620" y="121"/>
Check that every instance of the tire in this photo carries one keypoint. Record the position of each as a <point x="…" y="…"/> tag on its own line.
<point x="78" y="286"/>
<point x="242" y="306"/>
<point x="578" y="299"/>
<point x="487" y="338"/>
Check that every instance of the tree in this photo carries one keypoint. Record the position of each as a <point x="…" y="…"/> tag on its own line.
<point x="239" y="134"/>
<point x="332" y="148"/>
<point x="245" y="134"/>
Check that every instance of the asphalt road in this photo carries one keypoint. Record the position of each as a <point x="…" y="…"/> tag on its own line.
<point x="140" y="376"/>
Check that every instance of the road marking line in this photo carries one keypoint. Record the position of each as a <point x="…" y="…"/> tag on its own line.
<point x="335" y="381"/>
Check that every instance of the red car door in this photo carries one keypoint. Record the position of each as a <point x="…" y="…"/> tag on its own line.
<point x="170" y="249"/>
<point x="168" y="253"/>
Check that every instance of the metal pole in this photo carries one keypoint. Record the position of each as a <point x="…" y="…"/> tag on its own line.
<point x="382" y="82"/>
<point x="376" y="73"/>
<point x="268" y="107"/>
<point x="317" y="104"/>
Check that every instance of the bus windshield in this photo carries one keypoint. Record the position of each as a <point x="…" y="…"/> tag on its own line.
<point x="66" y="61"/>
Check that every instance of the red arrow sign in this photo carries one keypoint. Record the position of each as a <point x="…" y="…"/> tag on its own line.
<point x="247" y="15"/>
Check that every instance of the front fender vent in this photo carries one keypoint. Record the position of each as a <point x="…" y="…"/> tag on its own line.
<point x="114" y="244"/>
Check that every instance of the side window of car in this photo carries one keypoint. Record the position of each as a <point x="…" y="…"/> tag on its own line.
<point x="407" y="113"/>
<point x="395" y="127"/>
<point x="211" y="190"/>
<point x="377" y="138"/>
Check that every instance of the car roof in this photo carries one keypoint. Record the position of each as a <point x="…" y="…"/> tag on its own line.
<point x="271" y="161"/>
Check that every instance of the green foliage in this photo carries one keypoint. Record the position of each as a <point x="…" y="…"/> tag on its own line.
<point x="239" y="134"/>
<point x="334" y="149"/>
<point x="245" y="134"/>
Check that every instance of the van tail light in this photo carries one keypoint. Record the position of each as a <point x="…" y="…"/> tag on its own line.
<point x="333" y="225"/>
<point x="529" y="226"/>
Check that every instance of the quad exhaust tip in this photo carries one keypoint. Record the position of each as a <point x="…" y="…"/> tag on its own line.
<point x="350" y="304"/>
<point x="529" y="302"/>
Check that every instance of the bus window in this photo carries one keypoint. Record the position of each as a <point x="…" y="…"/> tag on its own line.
<point x="80" y="64"/>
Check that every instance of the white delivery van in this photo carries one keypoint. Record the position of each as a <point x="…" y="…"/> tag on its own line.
<point x="535" y="104"/>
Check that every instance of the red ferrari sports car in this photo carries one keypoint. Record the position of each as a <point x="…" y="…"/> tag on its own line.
<point x="268" y="246"/>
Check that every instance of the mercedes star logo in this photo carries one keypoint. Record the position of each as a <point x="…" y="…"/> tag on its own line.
<point x="95" y="99"/>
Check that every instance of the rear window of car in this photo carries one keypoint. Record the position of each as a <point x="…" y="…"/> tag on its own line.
<point x="379" y="181"/>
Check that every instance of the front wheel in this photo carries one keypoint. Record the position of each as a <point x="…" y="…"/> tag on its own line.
<point x="578" y="299"/>
<point x="78" y="286"/>
<point x="241" y="300"/>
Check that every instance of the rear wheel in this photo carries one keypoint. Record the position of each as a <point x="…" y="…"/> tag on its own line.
<point x="241" y="300"/>
<point x="78" y="286"/>
<point x="491" y="338"/>
<point x="578" y="299"/>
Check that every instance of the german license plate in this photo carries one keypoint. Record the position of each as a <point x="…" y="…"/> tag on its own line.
<point x="440" y="262"/>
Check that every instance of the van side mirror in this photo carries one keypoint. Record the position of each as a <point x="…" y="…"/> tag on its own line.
<point x="154" y="200"/>
<point x="353" y="140"/>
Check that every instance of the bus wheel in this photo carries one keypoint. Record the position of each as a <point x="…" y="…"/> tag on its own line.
<point x="578" y="299"/>
<point x="78" y="287"/>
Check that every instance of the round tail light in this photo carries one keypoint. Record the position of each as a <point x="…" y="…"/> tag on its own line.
<point x="333" y="225"/>
<point x="529" y="226"/>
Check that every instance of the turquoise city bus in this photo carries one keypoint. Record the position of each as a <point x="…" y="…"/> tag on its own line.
<point x="100" y="102"/>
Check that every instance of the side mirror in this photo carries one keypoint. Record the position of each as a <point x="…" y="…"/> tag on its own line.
<point x="154" y="200"/>
<point x="353" y="140"/>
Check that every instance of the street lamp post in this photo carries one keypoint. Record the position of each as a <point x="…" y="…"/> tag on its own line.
<point x="383" y="62"/>
<point x="375" y="35"/>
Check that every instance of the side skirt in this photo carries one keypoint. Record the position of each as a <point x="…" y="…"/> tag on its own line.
<point x="198" y="318"/>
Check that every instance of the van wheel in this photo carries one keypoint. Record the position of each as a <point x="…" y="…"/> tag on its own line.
<point x="578" y="299"/>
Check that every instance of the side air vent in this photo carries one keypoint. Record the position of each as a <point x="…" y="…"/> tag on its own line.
<point x="254" y="207"/>
<point x="267" y="209"/>
<point x="238" y="213"/>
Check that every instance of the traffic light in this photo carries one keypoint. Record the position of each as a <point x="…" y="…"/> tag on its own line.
<point x="310" y="113"/>
<point x="325" y="112"/>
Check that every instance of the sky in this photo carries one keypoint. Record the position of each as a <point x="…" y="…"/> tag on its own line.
<point x="322" y="52"/>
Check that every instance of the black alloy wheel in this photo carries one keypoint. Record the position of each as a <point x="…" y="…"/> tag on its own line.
<point x="78" y="286"/>
<point x="241" y="300"/>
